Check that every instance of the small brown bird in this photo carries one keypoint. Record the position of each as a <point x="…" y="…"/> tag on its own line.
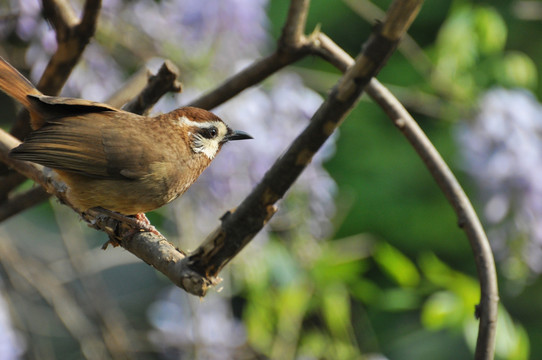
<point x="113" y="159"/>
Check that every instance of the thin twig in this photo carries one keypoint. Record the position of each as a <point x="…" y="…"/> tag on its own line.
<point x="56" y="295"/>
<point x="292" y="46"/>
<point x="248" y="77"/>
<point x="20" y="202"/>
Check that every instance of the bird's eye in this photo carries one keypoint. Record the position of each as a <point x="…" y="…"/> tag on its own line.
<point x="209" y="133"/>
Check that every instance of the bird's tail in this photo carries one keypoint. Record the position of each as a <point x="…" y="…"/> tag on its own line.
<point x="16" y="85"/>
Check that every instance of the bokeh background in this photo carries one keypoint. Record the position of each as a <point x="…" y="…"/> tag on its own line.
<point x="364" y="259"/>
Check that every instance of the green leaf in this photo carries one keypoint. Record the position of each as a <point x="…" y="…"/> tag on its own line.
<point x="443" y="309"/>
<point x="396" y="265"/>
<point x="398" y="299"/>
<point x="336" y="310"/>
<point x="490" y="30"/>
<point x="517" y="70"/>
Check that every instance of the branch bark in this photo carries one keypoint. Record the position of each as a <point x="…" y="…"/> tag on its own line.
<point x="466" y="215"/>
<point x="292" y="46"/>
<point x="197" y="272"/>
<point x="240" y="226"/>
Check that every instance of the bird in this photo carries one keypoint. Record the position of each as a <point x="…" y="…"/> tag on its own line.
<point x="113" y="160"/>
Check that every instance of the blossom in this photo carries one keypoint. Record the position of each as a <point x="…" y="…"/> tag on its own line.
<point x="186" y="327"/>
<point x="502" y="151"/>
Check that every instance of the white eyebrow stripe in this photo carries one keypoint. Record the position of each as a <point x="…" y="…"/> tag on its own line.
<point x="200" y="124"/>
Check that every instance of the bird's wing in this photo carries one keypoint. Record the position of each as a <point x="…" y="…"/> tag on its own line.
<point x="54" y="107"/>
<point x="89" y="145"/>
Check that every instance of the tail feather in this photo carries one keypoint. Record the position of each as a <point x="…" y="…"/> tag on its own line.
<point x="14" y="84"/>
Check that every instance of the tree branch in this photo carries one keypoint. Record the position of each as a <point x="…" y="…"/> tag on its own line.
<point x="248" y="77"/>
<point x="293" y="32"/>
<point x="72" y="36"/>
<point x="467" y="218"/>
<point x="158" y="85"/>
<point x="20" y="202"/>
<point x="292" y="46"/>
<point x="240" y="226"/>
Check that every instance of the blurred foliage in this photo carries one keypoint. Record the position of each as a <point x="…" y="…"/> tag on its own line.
<point x="397" y="276"/>
<point x="410" y="300"/>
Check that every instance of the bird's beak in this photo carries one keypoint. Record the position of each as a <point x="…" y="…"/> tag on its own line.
<point x="237" y="135"/>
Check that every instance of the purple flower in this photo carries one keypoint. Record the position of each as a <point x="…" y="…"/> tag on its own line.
<point x="187" y="327"/>
<point x="502" y="151"/>
<point x="209" y="40"/>
<point x="11" y="345"/>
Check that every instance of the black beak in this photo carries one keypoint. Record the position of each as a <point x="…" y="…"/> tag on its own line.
<point x="237" y="135"/>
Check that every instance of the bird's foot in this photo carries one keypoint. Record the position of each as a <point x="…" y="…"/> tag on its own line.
<point x="141" y="221"/>
<point x="137" y="223"/>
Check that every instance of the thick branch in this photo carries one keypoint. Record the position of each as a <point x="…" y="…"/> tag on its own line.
<point x="72" y="36"/>
<point x="239" y="227"/>
<point x="294" y="28"/>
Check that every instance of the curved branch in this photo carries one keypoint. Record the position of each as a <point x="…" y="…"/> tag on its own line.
<point x="466" y="215"/>
<point x="467" y="218"/>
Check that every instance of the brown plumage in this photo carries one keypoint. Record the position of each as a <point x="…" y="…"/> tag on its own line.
<point x="111" y="158"/>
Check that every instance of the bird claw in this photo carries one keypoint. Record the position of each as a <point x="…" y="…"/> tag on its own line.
<point x="137" y="223"/>
<point x="143" y="223"/>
